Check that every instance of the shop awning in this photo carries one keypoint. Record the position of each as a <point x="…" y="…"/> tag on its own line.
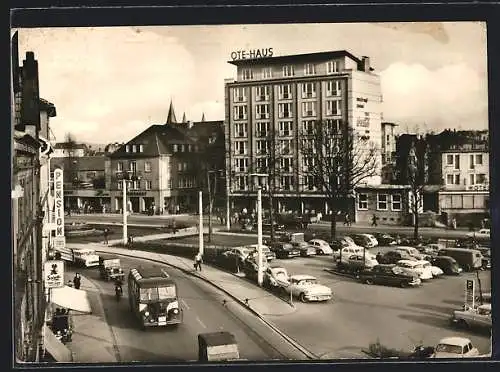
<point x="56" y="348"/>
<point x="71" y="298"/>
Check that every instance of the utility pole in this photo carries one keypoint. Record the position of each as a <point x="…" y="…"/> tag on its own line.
<point x="209" y="207"/>
<point x="124" y="207"/>
<point x="200" y="222"/>
<point x="259" y="236"/>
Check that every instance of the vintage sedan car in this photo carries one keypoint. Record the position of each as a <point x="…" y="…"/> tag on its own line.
<point x="480" y="234"/>
<point x="284" y="250"/>
<point x="357" y="263"/>
<point x="306" y="249"/>
<point x="431" y="249"/>
<point x="307" y="288"/>
<point x="240" y="253"/>
<point x="415" y="267"/>
<point x="411" y="251"/>
<point x="321" y="246"/>
<point x="392" y="257"/>
<point x="455" y="347"/>
<point x="385" y="239"/>
<point x="389" y="275"/>
<point x="270" y="255"/>
<point x="448" y="264"/>
<point x="346" y="252"/>
<point x="275" y="277"/>
<point x="436" y="271"/>
<point x="85" y="257"/>
<point x="478" y="317"/>
<point x="110" y="268"/>
<point x="365" y="240"/>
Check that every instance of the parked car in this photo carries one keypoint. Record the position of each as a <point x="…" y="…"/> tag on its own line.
<point x="467" y="242"/>
<point x="321" y="246"/>
<point x="436" y="271"/>
<point x="85" y="257"/>
<point x="266" y="226"/>
<point x="241" y="253"/>
<point x="275" y="277"/>
<point x="385" y="239"/>
<point x="455" y="347"/>
<point x="468" y="259"/>
<point x="483" y="234"/>
<point x="430" y="249"/>
<point x="346" y="252"/>
<point x="357" y="263"/>
<point x="306" y="249"/>
<point x="365" y="240"/>
<point x="411" y="251"/>
<point x="307" y="288"/>
<point x="270" y="255"/>
<point x="392" y="257"/>
<point x="250" y="267"/>
<point x="110" y="268"/>
<point x="448" y="264"/>
<point x="478" y="317"/>
<point x="415" y="268"/>
<point x="284" y="250"/>
<point x="389" y="275"/>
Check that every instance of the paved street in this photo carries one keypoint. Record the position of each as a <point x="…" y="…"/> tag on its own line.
<point x="203" y="312"/>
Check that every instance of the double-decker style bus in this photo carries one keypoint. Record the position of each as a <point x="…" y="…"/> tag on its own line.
<point x="153" y="297"/>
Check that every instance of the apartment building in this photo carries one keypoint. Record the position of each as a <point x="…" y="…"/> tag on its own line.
<point x="287" y="96"/>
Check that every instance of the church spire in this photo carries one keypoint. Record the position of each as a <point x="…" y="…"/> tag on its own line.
<point x="184" y="117"/>
<point x="171" y="114"/>
<point x="203" y="117"/>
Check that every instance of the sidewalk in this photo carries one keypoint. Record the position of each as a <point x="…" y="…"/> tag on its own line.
<point x="92" y="341"/>
<point x="190" y="231"/>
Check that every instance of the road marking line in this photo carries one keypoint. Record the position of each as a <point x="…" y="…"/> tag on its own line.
<point x="185" y="304"/>
<point x="199" y="321"/>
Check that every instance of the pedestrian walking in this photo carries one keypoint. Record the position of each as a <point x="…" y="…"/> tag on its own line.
<point x="77" y="281"/>
<point x="374" y="220"/>
<point x="197" y="261"/>
<point x="347" y="220"/>
<point x="105" y="233"/>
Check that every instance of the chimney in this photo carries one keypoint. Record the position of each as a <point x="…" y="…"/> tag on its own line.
<point x="365" y="63"/>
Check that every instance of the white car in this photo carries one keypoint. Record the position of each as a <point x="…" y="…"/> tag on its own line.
<point x="432" y="249"/>
<point x="306" y="288"/>
<point x="479" y="317"/>
<point x="455" y="347"/>
<point x="372" y="239"/>
<point x="347" y="252"/>
<point x="481" y="233"/>
<point x="411" y="251"/>
<point x="321" y="246"/>
<point x="85" y="257"/>
<point x="436" y="271"/>
<point x="275" y="277"/>
<point x="416" y="267"/>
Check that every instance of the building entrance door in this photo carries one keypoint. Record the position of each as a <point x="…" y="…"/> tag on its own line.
<point x="134" y="200"/>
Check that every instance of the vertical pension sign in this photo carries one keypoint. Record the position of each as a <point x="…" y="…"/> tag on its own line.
<point x="59" y="240"/>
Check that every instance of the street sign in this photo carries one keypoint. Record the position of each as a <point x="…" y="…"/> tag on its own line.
<point x="470" y="286"/>
<point x="54" y="274"/>
<point x="59" y="242"/>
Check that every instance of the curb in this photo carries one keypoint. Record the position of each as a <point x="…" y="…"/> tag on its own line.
<point x="291" y="341"/>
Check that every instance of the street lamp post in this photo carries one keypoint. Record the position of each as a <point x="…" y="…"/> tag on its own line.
<point x="126" y="176"/>
<point x="260" y="273"/>
<point x="200" y="222"/>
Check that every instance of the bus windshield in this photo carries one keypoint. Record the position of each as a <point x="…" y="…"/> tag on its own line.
<point x="155" y="294"/>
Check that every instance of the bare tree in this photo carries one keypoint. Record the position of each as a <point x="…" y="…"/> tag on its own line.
<point x="417" y="177"/>
<point x="338" y="159"/>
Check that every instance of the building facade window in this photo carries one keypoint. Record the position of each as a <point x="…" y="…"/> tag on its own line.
<point x="286" y="182"/>
<point x="261" y="129"/>
<point x="363" y="202"/>
<point x="262" y="164"/>
<point x="247" y="74"/>
<point x="472" y="179"/>
<point x="262" y="111"/>
<point x="148" y="185"/>
<point x="175" y="147"/>
<point x="119" y="166"/>
<point x="286" y="164"/>
<point x="471" y="162"/>
<point x="286" y="128"/>
<point x="262" y="147"/>
<point x="309" y="69"/>
<point x="333" y="108"/>
<point x="307" y="163"/>
<point x="120" y="185"/>
<point x="286" y="146"/>
<point x="333" y="88"/>
<point x="449" y="159"/>
<point x="267" y="73"/>
<point x="241" y="164"/>
<point x="309" y="183"/>
<point x="285" y="110"/>
<point x="239" y="94"/>
<point x="396" y="202"/>
<point x="285" y="91"/>
<point x="481" y="179"/>
<point x="241" y="182"/>
<point x="147" y="167"/>
<point x="381" y="202"/>
<point x="288" y="71"/>
<point x="308" y="109"/>
<point x="479" y="159"/>
<point x="240" y="147"/>
<point x="332" y="67"/>
<point x="457" y="161"/>
<point x="132" y="166"/>
<point x="262" y="93"/>
<point x="141" y="148"/>
<point x="240" y="112"/>
<point x="240" y="129"/>
<point x="333" y="125"/>
<point x="308" y="126"/>
<point x="308" y="90"/>
<point x="135" y="185"/>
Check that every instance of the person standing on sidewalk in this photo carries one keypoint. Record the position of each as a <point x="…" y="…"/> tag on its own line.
<point x="77" y="281"/>
<point x="106" y="232"/>
<point x="197" y="261"/>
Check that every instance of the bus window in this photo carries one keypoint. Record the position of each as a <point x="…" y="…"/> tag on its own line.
<point x="166" y="292"/>
<point x="149" y="294"/>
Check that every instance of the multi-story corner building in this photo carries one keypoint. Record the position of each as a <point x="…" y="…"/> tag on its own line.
<point x="465" y="175"/>
<point x="287" y="95"/>
<point x="164" y="160"/>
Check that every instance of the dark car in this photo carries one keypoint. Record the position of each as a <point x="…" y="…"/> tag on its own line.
<point x="385" y="239"/>
<point x="266" y="226"/>
<point x="393" y="257"/>
<point x="284" y="250"/>
<point x="388" y="275"/>
<point x="338" y="243"/>
<point x="448" y="264"/>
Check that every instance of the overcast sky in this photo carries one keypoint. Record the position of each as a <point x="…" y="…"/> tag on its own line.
<point x="108" y="84"/>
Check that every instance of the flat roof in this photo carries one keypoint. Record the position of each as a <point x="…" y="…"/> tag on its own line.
<point x="294" y="57"/>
